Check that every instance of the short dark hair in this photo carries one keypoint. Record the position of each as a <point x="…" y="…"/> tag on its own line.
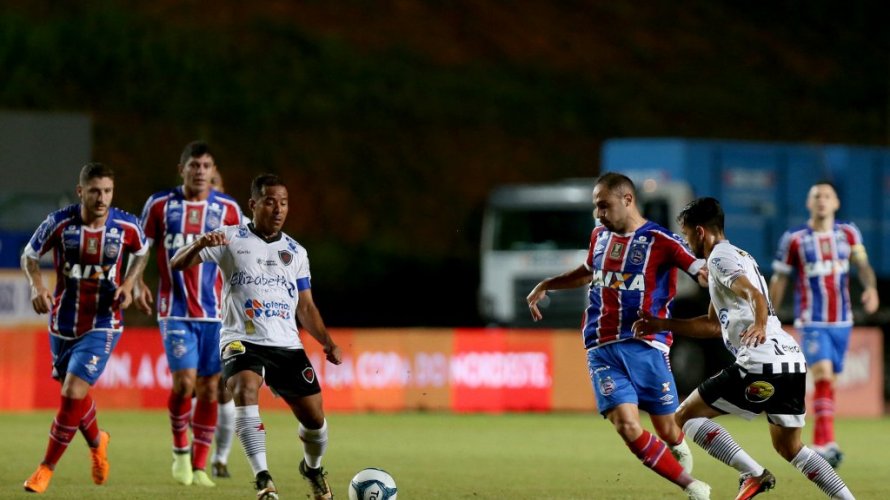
<point x="705" y="212"/>
<point x="825" y="182"/>
<point x="614" y="181"/>
<point x="261" y="181"/>
<point x="95" y="170"/>
<point x="194" y="149"/>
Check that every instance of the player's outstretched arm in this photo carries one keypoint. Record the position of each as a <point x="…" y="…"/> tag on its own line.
<point x="310" y="318"/>
<point x="142" y="297"/>
<point x="41" y="300"/>
<point x="135" y="268"/>
<point x="755" y="334"/>
<point x="190" y="254"/>
<point x="579" y="276"/>
<point x="870" y="301"/>
<point x="141" y="292"/>
<point x="777" y="285"/>
<point x="701" y="327"/>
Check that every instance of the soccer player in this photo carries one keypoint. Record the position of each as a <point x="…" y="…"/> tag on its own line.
<point x="769" y="373"/>
<point x="820" y="252"/>
<point x="631" y="265"/>
<point x="189" y="306"/>
<point x="267" y="288"/>
<point x="88" y="241"/>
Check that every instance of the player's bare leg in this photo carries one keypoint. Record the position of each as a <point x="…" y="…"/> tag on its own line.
<point x="667" y="429"/>
<point x="313" y="433"/>
<point x="245" y="387"/>
<point x="180" y="406"/>
<point x="225" y="430"/>
<point x="695" y="416"/>
<point x="822" y="373"/>
<point x="650" y="450"/>
<point x="787" y="442"/>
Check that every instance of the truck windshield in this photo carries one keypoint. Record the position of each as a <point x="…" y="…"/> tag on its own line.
<point x="557" y="229"/>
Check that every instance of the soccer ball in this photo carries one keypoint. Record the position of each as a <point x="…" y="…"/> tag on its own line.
<point x="372" y="484"/>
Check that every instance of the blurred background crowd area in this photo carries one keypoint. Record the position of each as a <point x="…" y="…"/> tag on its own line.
<point x="391" y="121"/>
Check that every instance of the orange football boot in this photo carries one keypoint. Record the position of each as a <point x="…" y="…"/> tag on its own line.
<point x="99" y="456"/>
<point x="39" y="481"/>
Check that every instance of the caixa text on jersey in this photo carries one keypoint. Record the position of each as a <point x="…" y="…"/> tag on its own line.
<point x="618" y="281"/>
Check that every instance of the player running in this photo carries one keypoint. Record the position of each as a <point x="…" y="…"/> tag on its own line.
<point x="88" y="241"/>
<point x="820" y="253"/>
<point x="769" y="374"/>
<point x="189" y="306"/>
<point x="267" y="288"/>
<point x="631" y="265"/>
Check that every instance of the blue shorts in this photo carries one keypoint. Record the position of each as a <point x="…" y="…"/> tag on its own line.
<point x="192" y="345"/>
<point x="84" y="356"/>
<point x="632" y="371"/>
<point x="826" y="342"/>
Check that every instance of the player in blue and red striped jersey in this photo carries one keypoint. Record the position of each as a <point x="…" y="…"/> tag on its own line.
<point x="632" y="265"/>
<point x="820" y="253"/>
<point x="88" y="241"/>
<point x="189" y="305"/>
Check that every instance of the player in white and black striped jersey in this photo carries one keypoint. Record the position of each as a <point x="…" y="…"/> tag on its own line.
<point x="769" y="373"/>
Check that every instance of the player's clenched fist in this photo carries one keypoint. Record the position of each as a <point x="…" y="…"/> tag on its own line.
<point x="212" y="239"/>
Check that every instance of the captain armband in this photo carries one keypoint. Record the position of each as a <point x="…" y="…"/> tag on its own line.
<point x="857" y="252"/>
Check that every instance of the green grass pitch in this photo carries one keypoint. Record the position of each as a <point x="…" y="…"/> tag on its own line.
<point x="431" y="456"/>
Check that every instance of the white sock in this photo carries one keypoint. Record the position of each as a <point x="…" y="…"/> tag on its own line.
<point x="817" y="470"/>
<point x="714" y="439"/>
<point x="683" y="455"/>
<point x="225" y="426"/>
<point x="252" y="435"/>
<point x="314" y="444"/>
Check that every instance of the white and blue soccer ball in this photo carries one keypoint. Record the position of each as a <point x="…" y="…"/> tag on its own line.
<point x="372" y="484"/>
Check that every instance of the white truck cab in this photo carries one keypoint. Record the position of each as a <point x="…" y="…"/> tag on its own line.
<point x="533" y="231"/>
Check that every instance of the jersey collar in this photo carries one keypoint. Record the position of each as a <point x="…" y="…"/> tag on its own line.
<point x="273" y="239"/>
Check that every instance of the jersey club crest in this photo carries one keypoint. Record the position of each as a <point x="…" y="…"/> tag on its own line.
<point x="285" y="257"/>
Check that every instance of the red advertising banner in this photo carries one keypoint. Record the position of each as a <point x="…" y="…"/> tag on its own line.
<point x="462" y="370"/>
<point x="501" y="370"/>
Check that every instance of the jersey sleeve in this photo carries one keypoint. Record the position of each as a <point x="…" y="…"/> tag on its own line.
<point x="588" y="263"/>
<point x="785" y="255"/>
<point x="42" y="239"/>
<point x="136" y="242"/>
<point x="854" y="235"/>
<point x="150" y="219"/>
<point x="854" y="238"/>
<point x="725" y="267"/>
<point x="304" y="277"/>
<point x="682" y="257"/>
<point x="233" y="215"/>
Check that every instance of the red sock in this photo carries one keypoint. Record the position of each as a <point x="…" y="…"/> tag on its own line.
<point x="180" y="408"/>
<point x="680" y="439"/>
<point x="656" y="455"/>
<point x="823" y="406"/>
<point x="88" y="425"/>
<point x="63" y="430"/>
<point x="203" y="428"/>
